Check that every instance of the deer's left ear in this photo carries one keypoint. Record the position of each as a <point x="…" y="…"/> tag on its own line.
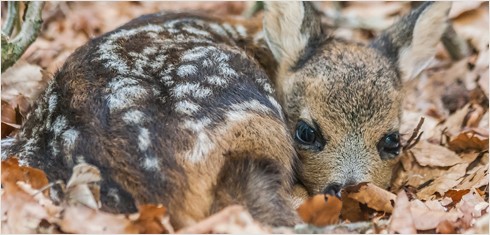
<point x="289" y="29"/>
<point x="412" y="40"/>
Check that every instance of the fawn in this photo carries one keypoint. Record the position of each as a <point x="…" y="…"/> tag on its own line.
<point x="343" y="101"/>
<point x="176" y="108"/>
<point x="173" y="111"/>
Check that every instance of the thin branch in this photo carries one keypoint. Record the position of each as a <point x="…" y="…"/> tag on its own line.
<point x="31" y="28"/>
<point x="12" y="19"/>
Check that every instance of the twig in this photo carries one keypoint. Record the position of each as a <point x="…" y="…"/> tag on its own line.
<point x="360" y="227"/>
<point x="415" y="135"/>
<point x="13" y="50"/>
<point x="12" y="19"/>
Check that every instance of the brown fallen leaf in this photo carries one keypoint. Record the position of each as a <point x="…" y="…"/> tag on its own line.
<point x="434" y="205"/>
<point x="481" y="226"/>
<point x="152" y="219"/>
<point x="82" y="219"/>
<point x="373" y="196"/>
<point x="401" y="219"/>
<point x="425" y="219"/>
<point x="320" y="210"/>
<point x="230" y="215"/>
<point x="351" y="211"/>
<point x="12" y="173"/>
<point x="468" y="141"/>
<point x="9" y="124"/>
<point x="455" y="196"/>
<point x="428" y="154"/>
<point x="476" y="179"/>
<point x="83" y="187"/>
<point x="460" y="7"/>
<point x="445" y="227"/>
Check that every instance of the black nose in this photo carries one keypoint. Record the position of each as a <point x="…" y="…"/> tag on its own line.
<point x="333" y="189"/>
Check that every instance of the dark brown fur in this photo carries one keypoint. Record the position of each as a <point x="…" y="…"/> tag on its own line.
<point x="174" y="109"/>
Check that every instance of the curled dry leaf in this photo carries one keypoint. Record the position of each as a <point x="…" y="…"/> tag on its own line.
<point x="455" y="196"/>
<point x="445" y="227"/>
<point x="85" y="220"/>
<point x="373" y="196"/>
<point x="481" y="226"/>
<point x="152" y="220"/>
<point x="428" y="154"/>
<point x="83" y="186"/>
<point x="460" y="7"/>
<point x="231" y="215"/>
<point x="476" y="179"/>
<point x="425" y="219"/>
<point x="46" y="203"/>
<point x="468" y="141"/>
<point x="321" y="210"/>
<point x="12" y="173"/>
<point x="401" y="220"/>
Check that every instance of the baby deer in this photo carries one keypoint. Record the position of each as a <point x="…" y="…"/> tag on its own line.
<point x="343" y="101"/>
<point x="173" y="111"/>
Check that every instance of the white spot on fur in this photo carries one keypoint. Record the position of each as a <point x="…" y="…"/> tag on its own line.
<point x="268" y="88"/>
<point x="151" y="164"/>
<point x="59" y="125"/>
<point x="216" y="80"/>
<point x="53" y="99"/>
<point x="134" y="117"/>
<point x="80" y="159"/>
<point x="230" y="30"/>
<point x="218" y="29"/>
<point x="194" y="54"/>
<point x="196" y="31"/>
<point x="125" y="92"/>
<point x="193" y="89"/>
<point x="186" y="107"/>
<point x="258" y="36"/>
<point x="144" y="139"/>
<point x="277" y="106"/>
<point x="69" y="138"/>
<point x="198" y="125"/>
<point x="241" y="30"/>
<point x="224" y="69"/>
<point x="202" y="147"/>
<point x="186" y="70"/>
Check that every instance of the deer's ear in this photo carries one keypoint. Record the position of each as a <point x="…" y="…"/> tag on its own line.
<point x="289" y="27"/>
<point x="412" y="40"/>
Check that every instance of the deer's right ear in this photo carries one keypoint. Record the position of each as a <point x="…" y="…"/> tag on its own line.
<point x="289" y="29"/>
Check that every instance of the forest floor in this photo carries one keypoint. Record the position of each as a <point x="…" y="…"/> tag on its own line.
<point x="441" y="184"/>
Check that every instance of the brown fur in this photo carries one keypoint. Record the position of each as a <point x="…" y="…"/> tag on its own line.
<point x="351" y="95"/>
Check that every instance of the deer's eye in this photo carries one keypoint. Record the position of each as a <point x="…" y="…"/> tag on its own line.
<point x="304" y="133"/>
<point x="390" y="145"/>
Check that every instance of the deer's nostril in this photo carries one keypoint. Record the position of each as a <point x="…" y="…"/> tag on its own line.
<point x="333" y="189"/>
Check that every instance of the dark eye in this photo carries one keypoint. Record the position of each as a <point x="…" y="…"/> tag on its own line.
<point x="390" y="144"/>
<point x="304" y="133"/>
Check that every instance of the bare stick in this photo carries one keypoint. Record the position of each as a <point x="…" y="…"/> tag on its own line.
<point x="13" y="50"/>
<point x="13" y="16"/>
<point x="415" y="135"/>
